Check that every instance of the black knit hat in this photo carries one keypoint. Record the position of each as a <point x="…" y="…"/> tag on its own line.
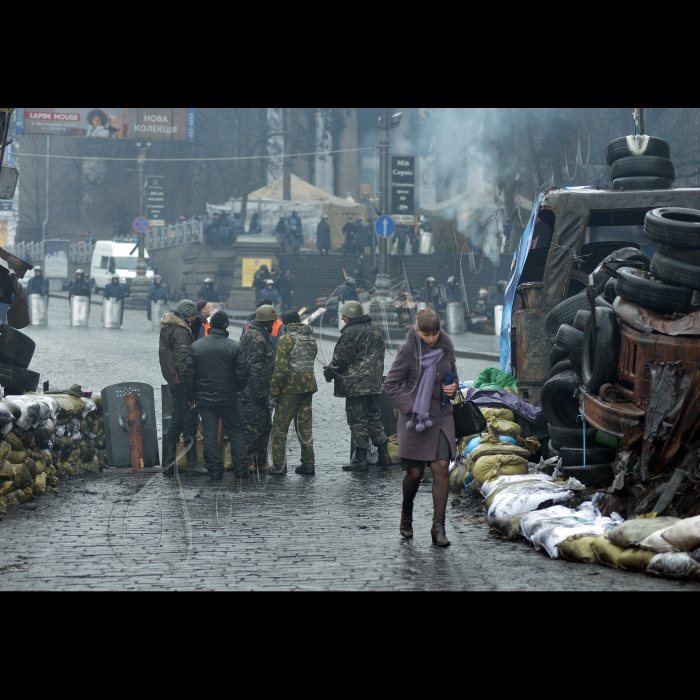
<point x="219" y="320"/>
<point x="290" y="317"/>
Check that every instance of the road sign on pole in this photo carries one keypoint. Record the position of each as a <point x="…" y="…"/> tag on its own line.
<point x="140" y="224"/>
<point x="385" y="227"/>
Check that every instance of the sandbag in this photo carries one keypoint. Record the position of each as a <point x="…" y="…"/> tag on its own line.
<point x="40" y="466"/>
<point x="674" y="565"/>
<point x="32" y="412"/>
<point x="606" y="552"/>
<point x="5" y="414"/>
<point x="635" y="559"/>
<point x="578" y="548"/>
<point x="494" y="413"/>
<point x="457" y="477"/>
<point x="392" y="446"/>
<point x="489" y="487"/>
<point x="491" y="467"/>
<point x="15" y="441"/>
<point x="22" y="478"/>
<point x="530" y="497"/>
<point x="508" y="525"/>
<point x="525" y="484"/>
<point x="491" y="445"/>
<point x="504" y="427"/>
<point x="17" y="457"/>
<point x="70" y="406"/>
<point x="49" y="401"/>
<point x="474" y="489"/>
<point x="684" y="535"/>
<point x="7" y="471"/>
<point x="631" y="533"/>
<point x="4" y="450"/>
<point x="656" y="543"/>
<point x="531" y="444"/>
<point x="39" y="483"/>
<point x="31" y="467"/>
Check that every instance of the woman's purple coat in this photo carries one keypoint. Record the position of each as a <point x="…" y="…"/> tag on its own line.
<point x="400" y="386"/>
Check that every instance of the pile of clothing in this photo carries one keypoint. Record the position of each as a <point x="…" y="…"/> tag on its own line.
<point x="45" y="437"/>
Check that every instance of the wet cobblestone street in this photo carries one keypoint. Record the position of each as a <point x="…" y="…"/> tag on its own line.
<point x="122" y="530"/>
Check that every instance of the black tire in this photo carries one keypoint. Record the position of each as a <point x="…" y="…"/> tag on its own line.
<point x="602" y="303"/>
<point x="609" y="291"/>
<point x="595" y="475"/>
<point x="639" y="289"/>
<point x="686" y="255"/>
<point x="557" y="354"/>
<point x="628" y="253"/>
<point x="575" y="359"/>
<point x="565" y="313"/>
<point x="595" y="454"/>
<point x="580" y="319"/>
<point x="642" y="166"/>
<point x="674" y="226"/>
<point x="559" y="400"/>
<point x="561" y="366"/>
<point x="15" y="347"/>
<point x="570" y="437"/>
<point x="675" y="272"/>
<point x="599" y="362"/>
<point x="17" y="380"/>
<point x="552" y="451"/>
<point x="642" y="183"/>
<point x="569" y="337"/>
<point x="620" y="148"/>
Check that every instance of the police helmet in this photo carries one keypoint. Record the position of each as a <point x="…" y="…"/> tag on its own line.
<point x="350" y="282"/>
<point x="79" y="272"/>
<point x="37" y="268"/>
<point x="115" y="276"/>
<point x="451" y="280"/>
<point x="157" y="277"/>
<point x="266" y="313"/>
<point x="430" y="279"/>
<point x="208" y="280"/>
<point x="269" y="282"/>
<point x="352" y="309"/>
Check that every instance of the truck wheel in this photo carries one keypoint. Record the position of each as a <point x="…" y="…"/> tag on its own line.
<point x="15" y="347"/>
<point x="642" y="166"/>
<point x="559" y="400"/>
<point x="635" y="286"/>
<point x="674" y="226"/>
<point x="620" y="148"/>
<point x="17" y="380"/>
<point x="599" y="363"/>
<point x="569" y="337"/>
<point x="570" y="437"/>
<point x="642" y="183"/>
<point x="596" y="475"/>
<point x="595" y="454"/>
<point x="675" y="272"/>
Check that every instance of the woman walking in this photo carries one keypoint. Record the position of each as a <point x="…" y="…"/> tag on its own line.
<point x="415" y="384"/>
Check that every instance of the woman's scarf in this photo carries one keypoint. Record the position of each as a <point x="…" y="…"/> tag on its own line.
<point x="421" y="406"/>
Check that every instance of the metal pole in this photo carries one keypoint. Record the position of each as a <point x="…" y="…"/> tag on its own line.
<point x="142" y="167"/>
<point x="384" y="185"/>
<point x="46" y="217"/>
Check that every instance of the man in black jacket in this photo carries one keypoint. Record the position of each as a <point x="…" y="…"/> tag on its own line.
<point x="114" y="290"/>
<point x="216" y="370"/>
<point x="209" y="291"/>
<point x="78" y="288"/>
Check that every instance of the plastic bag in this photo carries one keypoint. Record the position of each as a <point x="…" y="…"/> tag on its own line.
<point x="684" y="535"/>
<point x="529" y="498"/>
<point x="488" y="487"/>
<point x="631" y="533"/>
<point x="674" y="565"/>
<point x="492" y="466"/>
<point x="492" y="378"/>
<point x="656" y="543"/>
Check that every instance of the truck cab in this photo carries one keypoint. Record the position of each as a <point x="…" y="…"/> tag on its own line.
<point x="115" y="257"/>
<point x="569" y="233"/>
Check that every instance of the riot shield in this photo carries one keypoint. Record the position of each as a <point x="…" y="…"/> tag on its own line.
<point x="38" y="310"/>
<point x="157" y="311"/>
<point x="112" y="313"/>
<point x="125" y="427"/>
<point x="79" y="311"/>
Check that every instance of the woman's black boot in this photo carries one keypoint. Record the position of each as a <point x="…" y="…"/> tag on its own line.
<point x="406" y="526"/>
<point x="437" y="532"/>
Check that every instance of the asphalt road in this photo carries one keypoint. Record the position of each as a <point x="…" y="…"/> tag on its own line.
<point x="333" y="531"/>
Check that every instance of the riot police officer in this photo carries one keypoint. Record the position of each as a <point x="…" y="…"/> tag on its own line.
<point x="114" y="290"/>
<point x="38" y="284"/>
<point x="79" y="287"/>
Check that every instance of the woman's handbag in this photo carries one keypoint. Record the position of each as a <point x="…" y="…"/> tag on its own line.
<point x="469" y="420"/>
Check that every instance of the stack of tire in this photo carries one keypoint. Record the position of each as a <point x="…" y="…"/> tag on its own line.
<point x="674" y="273"/>
<point x="16" y="352"/>
<point x="640" y="163"/>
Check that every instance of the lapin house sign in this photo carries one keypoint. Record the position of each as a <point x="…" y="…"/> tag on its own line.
<point x="152" y="123"/>
<point x="403" y="186"/>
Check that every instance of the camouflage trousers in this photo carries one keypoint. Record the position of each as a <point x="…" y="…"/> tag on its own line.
<point x="364" y="415"/>
<point x="295" y="407"/>
<point x="257" y="429"/>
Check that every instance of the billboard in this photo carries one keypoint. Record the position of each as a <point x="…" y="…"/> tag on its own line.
<point x="56" y="259"/>
<point x="403" y="184"/>
<point x="152" y="123"/>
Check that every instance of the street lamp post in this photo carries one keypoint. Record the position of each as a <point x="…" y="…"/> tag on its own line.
<point x="138" y="294"/>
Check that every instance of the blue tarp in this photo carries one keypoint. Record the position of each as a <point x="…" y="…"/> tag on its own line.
<point x="519" y="263"/>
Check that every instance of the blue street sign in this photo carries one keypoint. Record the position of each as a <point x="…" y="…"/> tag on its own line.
<point x="385" y="227"/>
<point x="140" y="224"/>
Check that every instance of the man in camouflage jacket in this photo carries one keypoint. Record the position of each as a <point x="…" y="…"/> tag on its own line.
<point x="292" y="388"/>
<point x="261" y="358"/>
<point x="356" y="370"/>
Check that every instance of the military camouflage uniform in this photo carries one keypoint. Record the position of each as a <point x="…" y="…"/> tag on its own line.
<point x="261" y="358"/>
<point x="356" y="369"/>
<point x="292" y="388"/>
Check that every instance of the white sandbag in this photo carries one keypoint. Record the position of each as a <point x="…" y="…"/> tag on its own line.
<point x="530" y="498"/>
<point x="674" y="565"/>
<point x="53" y="405"/>
<point x="656" y="543"/>
<point x="5" y="415"/>
<point x="32" y="412"/>
<point x="489" y="486"/>
<point x="90" y="405"/>
<point x="535" y="518"/>
<point x="684" y="535"/>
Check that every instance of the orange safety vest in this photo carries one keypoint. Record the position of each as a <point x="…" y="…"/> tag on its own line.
<point x="206" y="327"/>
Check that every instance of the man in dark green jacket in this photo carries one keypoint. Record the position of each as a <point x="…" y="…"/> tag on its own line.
<point x="261" y="358"/>
<point x="292" y="389"/>
<point x="356" y="370"/>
